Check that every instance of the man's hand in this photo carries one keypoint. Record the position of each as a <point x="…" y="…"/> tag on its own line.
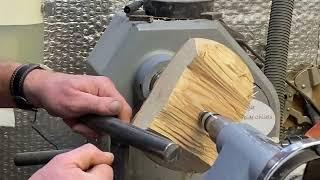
<point x="71" y="96"/>
<point x="84" y="163"/>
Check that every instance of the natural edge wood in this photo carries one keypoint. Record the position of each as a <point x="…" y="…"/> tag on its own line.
<point x="204" y="75"/>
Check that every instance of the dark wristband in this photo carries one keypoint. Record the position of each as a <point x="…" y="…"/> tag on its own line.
<point x="16" y="85"/>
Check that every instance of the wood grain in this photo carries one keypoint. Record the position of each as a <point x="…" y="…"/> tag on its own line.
<point x="203" y="76"/>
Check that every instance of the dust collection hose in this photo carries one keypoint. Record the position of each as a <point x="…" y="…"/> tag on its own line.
<point x="278" y="45"/>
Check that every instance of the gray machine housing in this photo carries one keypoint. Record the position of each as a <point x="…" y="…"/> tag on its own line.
<point x="126" y="45"/>
<point x="257" y="157"/>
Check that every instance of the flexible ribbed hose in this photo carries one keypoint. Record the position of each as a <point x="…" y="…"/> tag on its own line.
<point x="278" y="45"/>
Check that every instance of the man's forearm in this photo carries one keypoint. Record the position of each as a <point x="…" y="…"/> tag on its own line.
<point x="6" y="70"/>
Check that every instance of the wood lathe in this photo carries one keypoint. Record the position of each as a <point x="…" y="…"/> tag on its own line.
<point x="174" y="60"/>
<point x="137" y="47"/>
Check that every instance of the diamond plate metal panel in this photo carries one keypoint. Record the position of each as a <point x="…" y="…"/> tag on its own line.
<point x="23" y="138"/>
<point x="251" y="17"/>
<point x="72" y="28"/>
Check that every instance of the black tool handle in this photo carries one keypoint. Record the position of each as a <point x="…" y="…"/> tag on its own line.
<point x="134" y="6"/>
<point x="133" y="136"/>
<point x="36" y="158"/>
<point x="122" y="132"/>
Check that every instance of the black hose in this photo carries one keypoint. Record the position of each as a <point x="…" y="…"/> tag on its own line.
<point x="277" y="47"/>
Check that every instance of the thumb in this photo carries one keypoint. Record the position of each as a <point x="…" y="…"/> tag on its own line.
<point x="101" y="105"/>
<point x="101" y="171"/>
<point x="87" y="156"/>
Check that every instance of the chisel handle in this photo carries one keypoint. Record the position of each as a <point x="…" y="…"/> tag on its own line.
<point x="131" y="135"/>
<point x="36" y="158"/>
<point x="122" y="132"/>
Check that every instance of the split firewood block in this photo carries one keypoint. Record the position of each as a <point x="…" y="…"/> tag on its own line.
<point x="204" y="75"/>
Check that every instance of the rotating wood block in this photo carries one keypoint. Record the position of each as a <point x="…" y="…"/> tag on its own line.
<point x="203" y="76"/>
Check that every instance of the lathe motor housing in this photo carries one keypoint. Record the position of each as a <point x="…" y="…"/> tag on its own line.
<point x="134" y="51"/>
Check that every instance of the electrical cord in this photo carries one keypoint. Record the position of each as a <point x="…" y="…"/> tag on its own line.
<point x="251" y="50"/>
<point x="245" y="46"/>
<point x="39" y="132"/>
